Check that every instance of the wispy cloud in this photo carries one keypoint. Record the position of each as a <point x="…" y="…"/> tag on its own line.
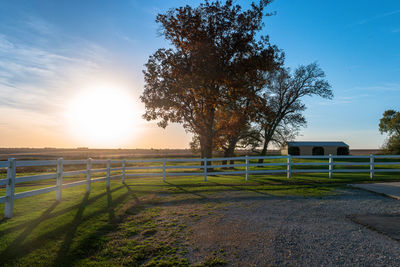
<point x="385" y="87"/>
<point x="33" y="75"/>
<point x="376" y="17"/>
<point x="343" y="100"/>
<point x="39" y="25"/>
<point x="126" y="38"/>
<point x="4" y="43"/>
<point x="380" y="16"/>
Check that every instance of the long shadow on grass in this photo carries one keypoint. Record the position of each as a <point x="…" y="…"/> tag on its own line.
<point x="298" y="183"/>
<point x="93" y="243"/>
<point x="65" y="255"/>
<point x="230" y="187"/>
<point x="187" y="191"/>
<point x="69" y="235"/>
<point x="94" y="240"/>
<point x="110" y="207"/>
<point x="260" y="182"/>
<point x="139" y="205"/>
<point x="134" y="196"/>
<point x="196" y="189"/>
<point x="241" y="188"/>
<point x="55" y="214"/>
<point x="13" y="249"/>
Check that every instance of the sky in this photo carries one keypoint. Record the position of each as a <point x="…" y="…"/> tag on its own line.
<point x="53" y="54"/>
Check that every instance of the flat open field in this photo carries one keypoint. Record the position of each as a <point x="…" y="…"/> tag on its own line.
<point x="269" y="220"/>
<point x="84" y="153"/>
<point x="53" y="153"/>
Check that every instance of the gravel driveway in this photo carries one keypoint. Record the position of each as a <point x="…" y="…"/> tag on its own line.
<point x="262" y="230"/>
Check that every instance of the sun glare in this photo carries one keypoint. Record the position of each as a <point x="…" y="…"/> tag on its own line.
<point x="103" y="117"/>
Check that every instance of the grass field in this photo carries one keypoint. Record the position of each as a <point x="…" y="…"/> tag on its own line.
<point x="129" y="224"/>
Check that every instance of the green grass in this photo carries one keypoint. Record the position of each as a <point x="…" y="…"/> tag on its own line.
<point x="125" y="225"/>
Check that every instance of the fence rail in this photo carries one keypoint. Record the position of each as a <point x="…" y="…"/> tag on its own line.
<point x="204" y="168"/>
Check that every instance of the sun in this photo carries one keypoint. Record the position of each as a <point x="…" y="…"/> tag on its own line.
<point x="103" y="116"/>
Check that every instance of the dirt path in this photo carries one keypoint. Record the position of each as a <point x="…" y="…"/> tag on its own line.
<point x="244" y="229"/>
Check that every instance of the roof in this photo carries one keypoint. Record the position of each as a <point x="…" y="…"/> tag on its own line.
<point x="316" y="143"/>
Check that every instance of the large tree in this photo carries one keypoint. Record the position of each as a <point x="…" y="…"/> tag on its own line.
<point x="390" y="124"/>
<point x="282" y="109"/>
<point x="217" y="57"/>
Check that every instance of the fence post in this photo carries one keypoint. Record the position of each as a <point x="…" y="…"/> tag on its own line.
<point x="59" y="179"/>
<point x="205" y="169"/>
<point x="247" y="168"/>
<point x="88" y="174"/>
<point x="163" y="170"/>
<point x="289" y="166"/>
<point x="123" y="171"/>
<point x="9" y="205"/>
<point x="108" y="173"/>
<point x="371" y="166"/>
<point x="330" y="165"/>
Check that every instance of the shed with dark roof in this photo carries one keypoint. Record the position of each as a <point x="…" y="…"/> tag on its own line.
<point x="309" y="148"/>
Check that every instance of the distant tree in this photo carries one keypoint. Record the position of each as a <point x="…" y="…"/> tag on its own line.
<point x="217" y="57"/>
<point x="390" y="124"/>
<point x="281" y="115"/>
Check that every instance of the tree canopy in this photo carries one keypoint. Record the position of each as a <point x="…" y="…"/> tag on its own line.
<point x="390" y="124"/>
<point x="218" y="60"/>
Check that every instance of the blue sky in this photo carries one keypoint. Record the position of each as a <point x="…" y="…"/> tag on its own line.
<point x="51" y="50"/>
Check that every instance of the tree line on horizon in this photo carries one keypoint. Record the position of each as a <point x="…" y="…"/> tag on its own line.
<point x="224" y="81"/>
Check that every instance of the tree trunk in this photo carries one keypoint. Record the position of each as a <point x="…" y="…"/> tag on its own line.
<point x="263" y="152"/>
<point x="206" y="147"/>
<point x="230" y="151"/>
<point x="207" y="134"/>
<point x="267" y="139"/>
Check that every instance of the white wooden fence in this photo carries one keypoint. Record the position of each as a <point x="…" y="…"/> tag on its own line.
<point x="202" y="164"/>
